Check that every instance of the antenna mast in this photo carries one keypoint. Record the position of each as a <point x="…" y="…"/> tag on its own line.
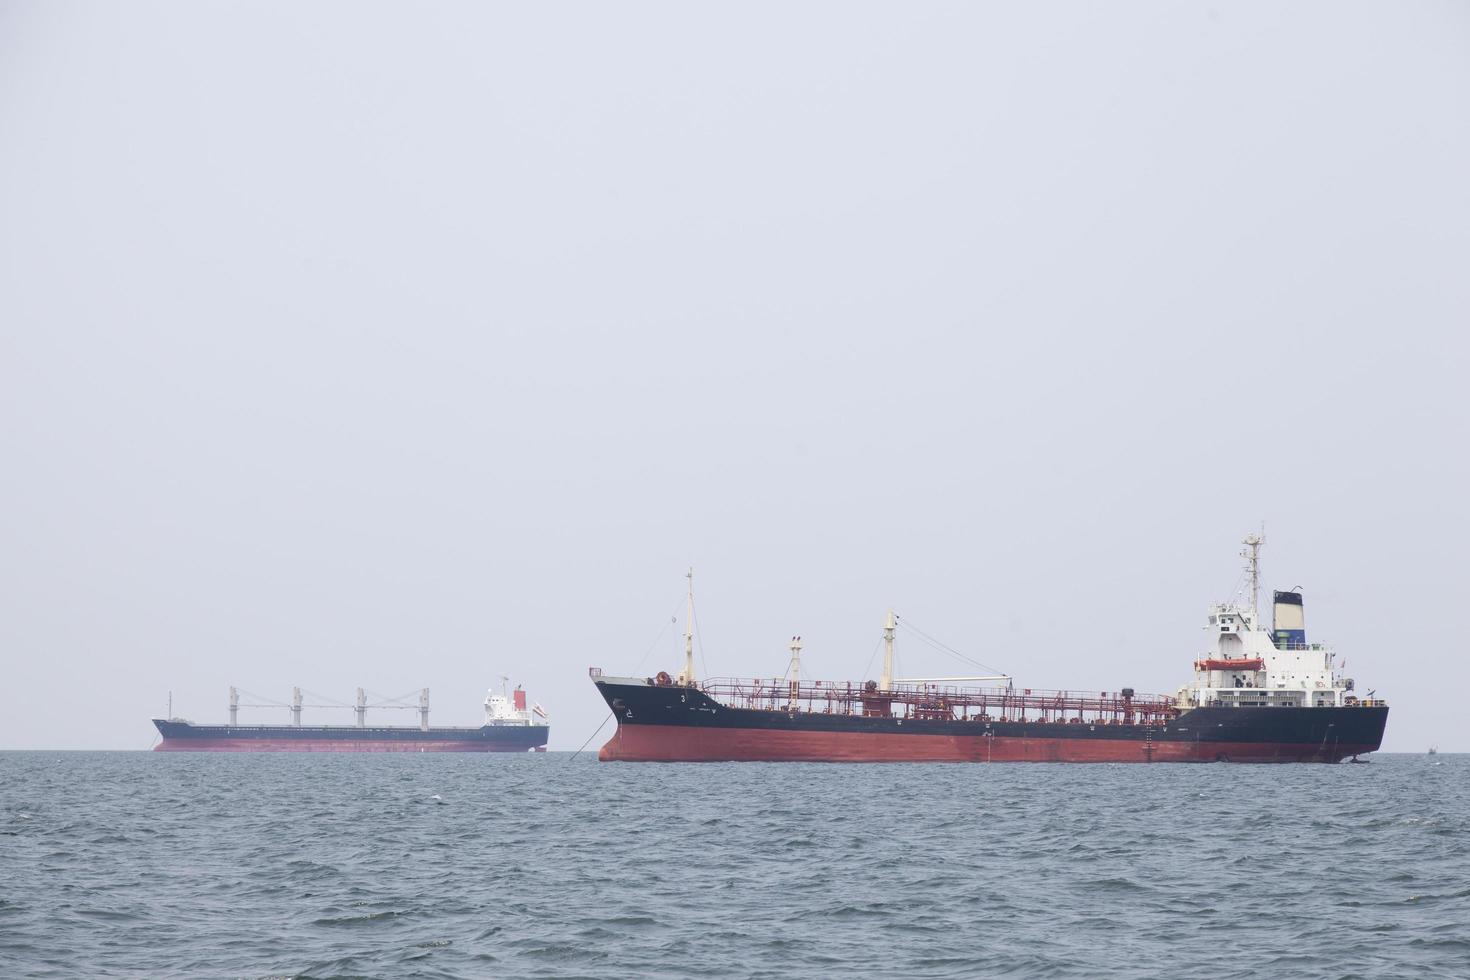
<point x="1252" y="558"/>
<point x="688" y="678"/>
<point x="888" y="626"/>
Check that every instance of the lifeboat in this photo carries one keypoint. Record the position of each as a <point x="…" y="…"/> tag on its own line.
<point x="1254" y="663"/>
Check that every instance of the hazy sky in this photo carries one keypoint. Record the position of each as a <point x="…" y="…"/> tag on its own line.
<point x="399" y="345"/>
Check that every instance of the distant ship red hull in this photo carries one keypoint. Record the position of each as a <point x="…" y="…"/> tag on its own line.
<point x="326" y="745"/>
<point x="180" y="736"/>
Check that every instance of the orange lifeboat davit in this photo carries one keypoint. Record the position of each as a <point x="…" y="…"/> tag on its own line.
<point x="1254" y="663"/>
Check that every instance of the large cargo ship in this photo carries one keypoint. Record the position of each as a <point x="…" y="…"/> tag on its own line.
<point x="1258" y="695"/>
<point x="510" y="726"/>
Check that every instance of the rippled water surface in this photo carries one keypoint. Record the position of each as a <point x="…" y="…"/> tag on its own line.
<point x="137" y="864"/>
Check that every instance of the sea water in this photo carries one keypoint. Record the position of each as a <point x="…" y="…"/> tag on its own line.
<point x="459" y="866"/>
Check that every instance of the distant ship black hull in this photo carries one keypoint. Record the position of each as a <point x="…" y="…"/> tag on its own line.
<point x="682" y="724"/>
<point x="182" y="736"/>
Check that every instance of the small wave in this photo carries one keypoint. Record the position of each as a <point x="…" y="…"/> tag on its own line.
<point x="1455" y="943"/>
<point x="360" y="920"/>
<point x="1116" y="885"/>
<point x="108" y="915"/>
<point x="864" y="912"/>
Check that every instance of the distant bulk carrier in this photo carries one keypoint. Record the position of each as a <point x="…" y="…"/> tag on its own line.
<point x="510" y="726"/>
<point x="1258" y="695"/>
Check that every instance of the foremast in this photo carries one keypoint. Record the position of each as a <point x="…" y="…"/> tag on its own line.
<point x="793" y="674"/>
<point x="889" y="625"/>
<point x="686" y="679"/>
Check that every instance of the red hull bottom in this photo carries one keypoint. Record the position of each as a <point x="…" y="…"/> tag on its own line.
<point x="323" y="745"/>
<point x="670" y="743"/>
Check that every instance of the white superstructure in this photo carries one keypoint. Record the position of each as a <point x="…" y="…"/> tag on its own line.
<point x="1248" y="665"/>
<point x="501" y="709"/>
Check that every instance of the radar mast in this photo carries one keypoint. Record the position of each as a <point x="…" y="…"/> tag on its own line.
<point x="1252" y="557"/>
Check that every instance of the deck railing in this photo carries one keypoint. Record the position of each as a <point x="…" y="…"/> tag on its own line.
<point x="936" y="702"/>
